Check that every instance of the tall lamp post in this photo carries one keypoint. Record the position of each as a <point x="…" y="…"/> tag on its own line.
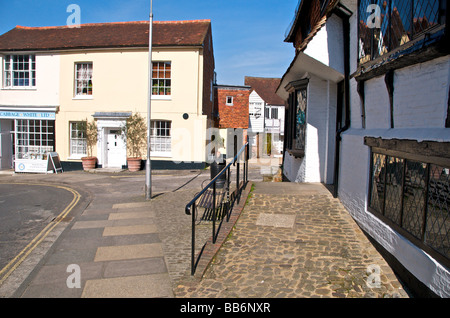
<point x="148" y="173"/>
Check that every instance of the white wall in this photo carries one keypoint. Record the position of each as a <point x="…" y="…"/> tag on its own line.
<point x="46" y="92"/>
<point x="420" y="101"/>
<point x="318" y="163"/>
<point x="327" y="46"/>
<point x="256" y="124"/>
<point x="421" y="94"/>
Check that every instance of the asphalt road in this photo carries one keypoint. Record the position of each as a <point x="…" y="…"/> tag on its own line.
<point x="25" y="210"/>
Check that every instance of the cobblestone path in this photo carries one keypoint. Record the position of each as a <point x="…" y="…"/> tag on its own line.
<point x="295" y="240"/>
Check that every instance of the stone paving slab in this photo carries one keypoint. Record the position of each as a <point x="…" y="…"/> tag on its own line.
<point x="145" y="286"/>
<point x="112" y="253"/>
<point x="130" y="229"/>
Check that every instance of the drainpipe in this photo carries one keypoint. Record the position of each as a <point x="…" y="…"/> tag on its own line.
<point x="344" y="13"/>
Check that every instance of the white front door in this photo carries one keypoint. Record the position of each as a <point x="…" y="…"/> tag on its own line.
<point x="116" y="151"/>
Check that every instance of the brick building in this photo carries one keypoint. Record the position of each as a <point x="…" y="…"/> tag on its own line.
<point x="231" y="108"/>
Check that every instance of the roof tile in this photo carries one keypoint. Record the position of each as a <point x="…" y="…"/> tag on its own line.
<point x="105" y="35"/>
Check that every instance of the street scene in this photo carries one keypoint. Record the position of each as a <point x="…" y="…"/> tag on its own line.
<point x="125" y="246"/>
<point x="199" y="151"/>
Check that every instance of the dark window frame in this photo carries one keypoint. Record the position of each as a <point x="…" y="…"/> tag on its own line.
<point x="396" y="159"/>
<point x="293" y="88"/>
<point x="401" y="25"/>
<point x="422" y="46"/>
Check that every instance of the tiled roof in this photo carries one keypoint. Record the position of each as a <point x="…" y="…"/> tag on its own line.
<point x="266" y="88"/>
<point x="105" y="35"/>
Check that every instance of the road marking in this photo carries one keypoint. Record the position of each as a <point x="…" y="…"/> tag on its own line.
<point x="16" y="261"/>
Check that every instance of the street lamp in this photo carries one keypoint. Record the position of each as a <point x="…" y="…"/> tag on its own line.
<point x="148" y="173"/>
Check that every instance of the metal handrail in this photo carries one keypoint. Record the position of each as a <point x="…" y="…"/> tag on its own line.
<point x="188" y="206"/>
<point x="191" y="206"/>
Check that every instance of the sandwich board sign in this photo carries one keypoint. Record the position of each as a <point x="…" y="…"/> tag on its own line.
<point x="54" y="163"/>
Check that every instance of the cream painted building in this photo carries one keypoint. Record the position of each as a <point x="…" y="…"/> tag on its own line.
<point x="100" y="72"/>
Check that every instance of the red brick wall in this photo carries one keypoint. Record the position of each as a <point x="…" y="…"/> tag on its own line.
<point x="235" y="116"/>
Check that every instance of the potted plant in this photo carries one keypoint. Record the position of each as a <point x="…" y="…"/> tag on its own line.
<point x="90" y="128"/>
<point x="135" y="132"/>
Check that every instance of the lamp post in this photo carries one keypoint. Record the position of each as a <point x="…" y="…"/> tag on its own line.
<point x="148" y="173"/>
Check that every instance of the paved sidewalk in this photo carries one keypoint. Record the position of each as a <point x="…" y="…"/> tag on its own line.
<point x="294" y="240"/>
<point x="120" y="244"/>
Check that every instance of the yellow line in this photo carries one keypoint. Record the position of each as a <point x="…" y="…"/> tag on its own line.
<point x="14" y="263"/>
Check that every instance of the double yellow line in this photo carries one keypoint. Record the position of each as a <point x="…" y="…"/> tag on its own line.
<point x="14" y="263"/>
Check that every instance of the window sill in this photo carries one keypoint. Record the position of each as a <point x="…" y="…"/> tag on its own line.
<point x="161" y="97"/>
<point x="83" y="97"/>
<point x="20" y="88"/>
<point x="296" y="153"/>
<point x="160" y="155"/>
<point x="416" y="51"/>
<point x="76" y="157"/>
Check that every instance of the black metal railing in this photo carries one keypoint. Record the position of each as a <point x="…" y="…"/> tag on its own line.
<point x="218" y="206"/>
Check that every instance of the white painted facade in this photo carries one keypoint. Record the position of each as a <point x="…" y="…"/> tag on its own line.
<point x="256" y="113"/>
<point x="421" y="94"/>
<point x="259" y="124"/>
<point x="20" y="102"/>
<point x="419" y="113"/>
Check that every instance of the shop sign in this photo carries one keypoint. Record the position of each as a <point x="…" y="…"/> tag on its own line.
<point x="27" y="115"/>
<point x="32" y="165"/>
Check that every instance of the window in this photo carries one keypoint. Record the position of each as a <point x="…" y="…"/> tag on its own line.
<point x="78" y="144"/>
<point x="19" y="71"/>
<point x="271" y="112"/>
<point x="229" y="100"/>
<point x="413" y="196"/>
<point x="300" y="120"/>
<point x="83" y="79"/>
<point x="161" y="78"/>
<point x="296" y="117"/>
<point x="160" y="138"/>
<point x="34" y="138"/>
<point x="387" y="24"/>
<point x="274" y="113"/>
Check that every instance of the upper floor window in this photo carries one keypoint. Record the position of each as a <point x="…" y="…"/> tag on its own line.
<point x="271" y="112"/>
<point x="19" y="71"/>
<point x="83" y="79"/>
<point x="229" y="101"/>
<point x="161" y="78"/>
<point x="385" y="25"/>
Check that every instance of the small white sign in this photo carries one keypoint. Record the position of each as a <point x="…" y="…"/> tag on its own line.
<point x="31" y="165"/>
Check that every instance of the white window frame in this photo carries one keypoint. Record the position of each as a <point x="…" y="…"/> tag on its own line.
<point x="161" y="138"/>
<point x="229" y="101"/>
<point x="33" y="138"/>
<point x="84" y="85"/>
<point x="78" y="142"/>
<point x="12" y="67"/>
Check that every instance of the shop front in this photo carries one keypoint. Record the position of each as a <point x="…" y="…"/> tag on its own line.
<point x="28" y="136"/>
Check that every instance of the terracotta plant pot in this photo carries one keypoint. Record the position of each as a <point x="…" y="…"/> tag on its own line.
<point x="89" y="162"/>
<point x="134" y="164"/>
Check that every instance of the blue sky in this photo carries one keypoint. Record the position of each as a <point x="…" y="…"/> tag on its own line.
<point x="248" y="35"/>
